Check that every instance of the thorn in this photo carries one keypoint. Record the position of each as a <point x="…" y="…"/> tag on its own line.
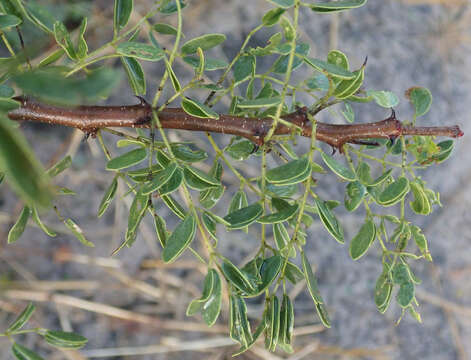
<point x="393" y="114"/>
<point x="334" y="150"/>
<point x="142" y="101"/>
<point x="365" y="62"/>
<point x="392" y="140"/>
<point x="255" y="148"/>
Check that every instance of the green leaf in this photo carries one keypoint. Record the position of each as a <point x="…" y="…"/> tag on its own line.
<point x="348" y="113"/>
<point x="204" y="42"/>
<point x="136" y="214"/>
<point x="269" y="271"/>
<point x="329" y="220"/>
<point x="421" y="99"/>
<point x="272" y="17"/>
<point x="122" y="13"/>
<point x="41" y="16"/>
<point x="385" y="99"/>
<point x="180" y="239"/>
<point x="7" y="105"/>
<point x="347" y="88"/>
<point x="135" y="74"/>
<point x="235" y="277"/>
<point x="280" y="216"/>
<point x="363" y="240"/>
<point x="198" y="179"/>
<point x="8" y="21"/>
<point x="401" y="274"/>
<point x="197" y="305"/>
<point x="311" y="280"/>
<point x="405" y="294"/>
<point x="342" y="171"/>
<point x="271" y="339"/>
<point x="244" y="217"/>
<point x="341" y="5"/>
<point x="195" y="108"/>
<point x="420" y="241"/>
<point x="108" y="196"/>
<point x="281" y="64"/>
<point x="63" y="39"/>
<point x="60" y="166"/>
<point x="293" y="273"/>
<point x="173" y="77"/>
<point x="126" y="160"/>
<point x="331" y="69"/>
<point x="354" y="195"/>
<point x="208" y="198"/>
<point x="323" y="314"/>
<point x="421" y="204"/>
<point x="210" y="64"/>
<point x="43" y="227"/>
<point x="286" y="321"/>
<point x="22" y="319"/>
<point x="173" y="183"/>
<point x="394" y="192"/>
<point x="62" y="339"/>
<point x="259" y="103"/>
<point x="78" y="232"/>
<point x="160" y="229"/>
<point x="318" y="82"/>
<point x="446" y="147"/>
<point x="240" y="150"/>
<point x="383" y="290"/>
<point x="174" y="206"/>
<point x="381" y="178"/>
<point x="185" y="153"/>
<point x="291" y="173"/>
<point x="140" y="51"/>
<point x="164" y="29"/>
<point x="170" y="7"/>
<point x="17" y="230"/>
<point x="338" y="58"/>
<point x="23" y="171"/>
<point x="212" y="306"/>
<point x="243" y="68"/>
<point x="22" y="353"/>
<point x="160" y="179"/>
<point x="285" y="4"/>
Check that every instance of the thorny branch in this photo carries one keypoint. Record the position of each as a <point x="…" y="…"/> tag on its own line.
<point x="92" y="118"/>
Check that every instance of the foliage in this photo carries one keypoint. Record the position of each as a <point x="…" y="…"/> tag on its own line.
<point x="283" y="201"/>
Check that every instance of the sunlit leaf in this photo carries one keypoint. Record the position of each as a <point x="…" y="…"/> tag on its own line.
<point x="180" y="239"/>
<point x="363" y="240"/>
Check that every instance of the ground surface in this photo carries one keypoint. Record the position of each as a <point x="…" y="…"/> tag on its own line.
<point x="408" y="43"/>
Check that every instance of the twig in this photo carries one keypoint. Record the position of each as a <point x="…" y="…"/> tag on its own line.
<point x="92" y="118"/>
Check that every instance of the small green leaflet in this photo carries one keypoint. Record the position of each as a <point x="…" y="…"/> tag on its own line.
<point x="386" y="99"/>
<point x="291" y="173"/>
<point x="22" y="353"/>
<point x="240" y="150"/>
<point x="272" y="17"/>
<point x="135" y="73"/>
<point x="244" y="217"/>
<point x="62" y="339"/>
<point x="140" y="51"/>
<point x="78" y="232"/>
<point x="421" y="204"/>
<point x="405" y="294"/>
<point x="108" y="196"/>
<point x="210" y="64"/>
<point x="17" y="230"/>
<point x="363" y="240"/>
<point x="311" y="280"/>
<point x="280" y="216"/>
<point x="394" y="192"/>
<point x="354" y="195"/>
<point x="160" y="179"/>
<point x="22" y="319"/>
<point x="273" y="324"/>
<point x="212" y="306"/>
<point x="204" y="42"/>
<point x="338" y="168"/>
<point x="180" y="239"/>
<point x="43" y="227"/>
<point x="164" y="29"/>
<point x="420" y="98"/>
<point x="196" y="305"/>
<point x="59" y="167"/>
<point x="338" y="58"/>
<point x="243" y="68"/>
<point x="195" y="108"/>
<point x="235" y="277"/>
<point x="333" y="6"/>
<point x="122" y="13"/>
<point x="331" y="69"/>
<point x="285" y="4"/>
<point x="8" y="21"/>
<point x="126" y="160"/>
<point x="329" y="220"/>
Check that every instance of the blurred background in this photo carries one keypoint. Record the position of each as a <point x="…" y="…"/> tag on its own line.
<point x="132" y="306"/>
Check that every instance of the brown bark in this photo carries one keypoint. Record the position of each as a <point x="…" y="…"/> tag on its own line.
<point x="92" y="118"/>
